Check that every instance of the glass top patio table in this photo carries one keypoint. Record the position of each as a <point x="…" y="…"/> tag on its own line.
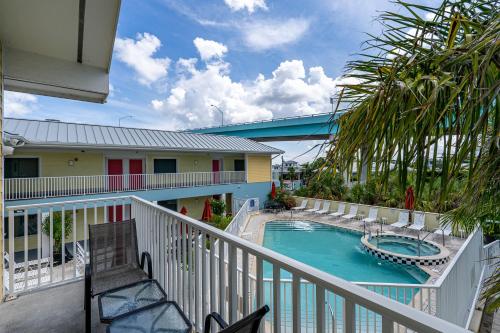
<point x="123" y="300"/>
<point x="165" y="316"/>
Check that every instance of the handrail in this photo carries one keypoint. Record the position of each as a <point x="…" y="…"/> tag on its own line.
<point x="49" y="187"/>
<point x="160" y="236"/>
<point x="409" y="317"/>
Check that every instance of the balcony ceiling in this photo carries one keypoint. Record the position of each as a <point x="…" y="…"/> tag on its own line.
<point x="59" y="48"/>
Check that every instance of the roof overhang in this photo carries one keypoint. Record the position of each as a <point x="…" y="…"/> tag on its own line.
<point x="59" y="48"/>
<point x="57" y="146"/>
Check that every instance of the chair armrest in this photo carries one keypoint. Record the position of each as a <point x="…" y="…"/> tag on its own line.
<point x="218" y="319"/>
<point x="146" y="255"/>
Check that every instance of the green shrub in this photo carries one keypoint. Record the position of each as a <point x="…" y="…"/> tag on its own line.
<point x="220" y="221"/>
<point x="301" y="192"/>
<point x="218" y="206"/>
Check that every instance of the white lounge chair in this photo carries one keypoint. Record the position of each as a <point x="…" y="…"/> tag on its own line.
<point x="302" y="206"/>
<point x="353" y="212"/>
<point x="326" y="208"/>
<point x="418" y="221"/>
<point x="404" y="218"/>
<point x="317" y="204"/>
<point x="447" y="230"/>
<point x="372" y="215"/>
<point x="340" y="211"/>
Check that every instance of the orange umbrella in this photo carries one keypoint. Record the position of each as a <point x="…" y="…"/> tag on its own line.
<point x="184" y="210"/>
<point x="207" y="211"/>
<point x="273" y="191"/>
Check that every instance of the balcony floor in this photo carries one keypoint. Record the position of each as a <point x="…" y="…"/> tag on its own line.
<point x="54" y="310"/>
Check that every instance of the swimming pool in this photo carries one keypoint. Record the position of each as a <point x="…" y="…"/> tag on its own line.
<point x="334" y="250"/>
<point x="337" y="251"/>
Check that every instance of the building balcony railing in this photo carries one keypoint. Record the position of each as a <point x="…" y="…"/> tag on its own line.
<point x="50" y="187"/>
<point x="205" y="269"/>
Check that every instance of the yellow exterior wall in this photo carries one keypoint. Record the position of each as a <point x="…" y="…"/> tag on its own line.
<point x="185" y="162"/>
<point x="259" y="168"/>
<point x="54" y="164"/>
<point x="194" y="206"/>
<point x="229" y="161"/>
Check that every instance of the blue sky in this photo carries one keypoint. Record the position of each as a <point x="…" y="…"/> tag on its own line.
<point x="254" y="59"/>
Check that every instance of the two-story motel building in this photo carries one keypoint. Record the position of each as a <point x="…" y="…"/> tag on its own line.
<point x="54" y="161"/>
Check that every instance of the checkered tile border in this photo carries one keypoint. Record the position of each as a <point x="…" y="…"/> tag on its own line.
<point x="406" y="261"/>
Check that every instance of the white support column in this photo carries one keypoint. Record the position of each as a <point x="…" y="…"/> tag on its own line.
<point x="1" y="172"/>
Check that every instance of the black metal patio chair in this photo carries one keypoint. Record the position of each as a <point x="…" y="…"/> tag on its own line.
<point x="114" y="261"/>
<point x="249" y="324"/>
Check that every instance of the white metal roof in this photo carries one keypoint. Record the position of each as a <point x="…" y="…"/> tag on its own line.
<point x="50" y="133"/>
<point x="59" y="48"/>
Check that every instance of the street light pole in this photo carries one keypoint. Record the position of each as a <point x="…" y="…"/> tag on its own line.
<point x="221" y="113"/>
<point x="121" y="118"/>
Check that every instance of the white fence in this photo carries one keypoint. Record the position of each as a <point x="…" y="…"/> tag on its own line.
<point x="48" y="187"/>
<point x="43" y="263"/>
<point x="244" y="210"/>
<point x="202" y="286"/>
<point x="460" y="280"/>
<point x="307" y="300"/>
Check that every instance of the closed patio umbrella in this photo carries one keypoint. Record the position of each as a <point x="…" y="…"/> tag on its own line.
<point x="207" y="211"/>
<point x="273" y="191"/>
<point x="409" y="199"/>
<point x="184" y="210"/>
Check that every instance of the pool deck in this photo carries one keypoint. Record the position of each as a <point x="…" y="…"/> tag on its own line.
<point x="254" y="232"/>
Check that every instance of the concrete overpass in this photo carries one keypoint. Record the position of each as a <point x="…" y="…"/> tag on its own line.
<point x="312" y="127"/>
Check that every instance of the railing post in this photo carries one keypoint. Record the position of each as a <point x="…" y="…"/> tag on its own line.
<point x="320" y="309"/>
<point x="11" y="252"/>
<point x="349" y="316"/>
<point x="276" y="298"/>
<point x="233" y="284"/>
<point x="296" y="304"/>
<point x="387" y="325"/>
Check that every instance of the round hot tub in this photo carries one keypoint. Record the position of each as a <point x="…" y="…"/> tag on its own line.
<point x="405" y="249"/>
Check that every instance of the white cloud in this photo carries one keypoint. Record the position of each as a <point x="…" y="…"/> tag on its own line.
<point x="249" y="5"/>
<point x="139" y="53"/>
<point x="290" y="90"/>
<point x="19" y="104"/>
<point x="209" y="49"/>
<point x="263" y="35"/>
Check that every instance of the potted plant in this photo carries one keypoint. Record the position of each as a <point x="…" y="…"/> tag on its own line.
<point x="57" y="233"/>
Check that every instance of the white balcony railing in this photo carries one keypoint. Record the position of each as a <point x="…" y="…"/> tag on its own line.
<point x="230" y="278"/>
<point x="49" y="187"/>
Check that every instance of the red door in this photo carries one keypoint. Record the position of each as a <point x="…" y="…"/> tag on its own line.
<point x="135" y="177"/>
<point x="115" y="172"/>
<point x="215" y="170"/>
<point x="119" y="213"/>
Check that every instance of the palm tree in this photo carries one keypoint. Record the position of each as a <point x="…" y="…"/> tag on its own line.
<point x="423" y="101"/>
<point x="425" y="97"/>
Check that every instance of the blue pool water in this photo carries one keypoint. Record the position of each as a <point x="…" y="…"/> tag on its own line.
<point x="404" y="246"/>
<point x="334" y="250"/>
